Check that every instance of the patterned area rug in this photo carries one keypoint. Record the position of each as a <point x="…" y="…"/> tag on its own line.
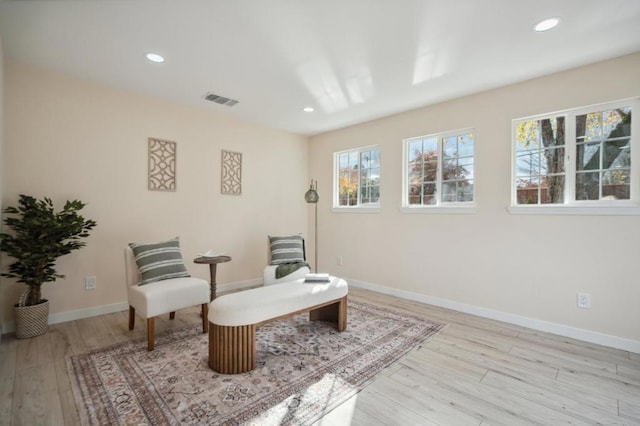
<point x="305" y="369"/>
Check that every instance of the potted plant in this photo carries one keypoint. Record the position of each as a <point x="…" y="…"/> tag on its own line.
<point x="40" y="236"/>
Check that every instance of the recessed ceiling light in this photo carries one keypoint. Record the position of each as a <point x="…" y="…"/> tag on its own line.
<point x="547" y="24"/>
<point x="307" y="109"/>
<point x="154" y="57"/>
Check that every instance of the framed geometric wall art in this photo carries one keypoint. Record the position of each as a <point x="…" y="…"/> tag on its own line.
<point x="162" y="165"/>
<point x="231" y="182"/>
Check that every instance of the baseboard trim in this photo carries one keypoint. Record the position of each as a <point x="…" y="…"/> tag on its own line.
<point x="535" y="324"/>
<point x="59" y="317"/>
<point x="240" y="285"/>
<point x="75" y="315"/>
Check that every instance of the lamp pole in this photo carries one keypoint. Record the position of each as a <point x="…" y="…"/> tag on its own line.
<point x="312" y="197"/>
<point x="315" y="238"/>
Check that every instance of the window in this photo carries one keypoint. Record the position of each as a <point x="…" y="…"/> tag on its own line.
<point x="439" y="170"/>
<point x="357" y="178"/>
<point x="576" y="158"/>
<point x="540" y="153"/>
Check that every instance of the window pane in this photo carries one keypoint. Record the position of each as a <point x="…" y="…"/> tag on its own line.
<point x="553" y="161"/>
<point x="449" y="170"/>
<point x="616" y="185"/>
<point x="465" y="145"/>
<point x="365" y="159"/>
<point x="429" y="189"/>
<point x="527" y="196"/>
<point x="589" y="127"/>
<point x="343" y="199"/>
<point x="588" y="156"/>
<point x="430" y="200"/>
<point x="375" y="158"/>
<point x="348" y="186"/>
<point x="375" y="174"/>
<point x="365" y="195"/>
<point x="527" y="190"/>
<point x="343" y="161"/>
<point x="430" y="145"/>
<point x="353" y="160"/>
<point x="414" y="194"/>
<point x="415" y="151"/>
<point x="588" y="186"/>
<point x="457" y="191"/>
<point x="450" y="147"/>
<point x="527" y="135"/>
<point x="552" y="190"/>
<point x="370" y="190"/>
<point x="365" y="177"/>
<point x="449" y="192"/>
<point x="465" y="168"/>
<point x="616" y="154"/>
<point x="429" y="169"/>
<point x="415" y="177"/>
<point x="375" y="194"/>
<point x="467" y="191"/>
<point x="617" y="123"/>
<point x="528" y="163"/>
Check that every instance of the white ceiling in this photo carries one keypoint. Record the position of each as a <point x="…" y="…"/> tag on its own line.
<point x="352" y="60"/>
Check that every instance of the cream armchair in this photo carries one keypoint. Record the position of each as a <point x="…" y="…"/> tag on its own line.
<point x="160" y="297"/>
<point x="285" y="250"/>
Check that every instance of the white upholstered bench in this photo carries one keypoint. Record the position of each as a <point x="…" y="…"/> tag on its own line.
<point x="233" y="318"/>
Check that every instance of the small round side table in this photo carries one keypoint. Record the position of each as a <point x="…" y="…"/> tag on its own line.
<point x="213" y="262"/>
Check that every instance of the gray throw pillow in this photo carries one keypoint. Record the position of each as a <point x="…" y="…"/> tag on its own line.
<point x="286" y="249"/>
<point x="159" y="261"/>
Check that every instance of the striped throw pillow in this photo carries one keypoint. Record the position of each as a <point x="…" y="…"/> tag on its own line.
<point x="287" y="249"/>
<point x="159" y="261"/>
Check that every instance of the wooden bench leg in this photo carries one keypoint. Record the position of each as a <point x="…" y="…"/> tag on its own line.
<point x="132" y="317"/>
<point x="232" y="350"/>
<point x="205" y="319"/>
<point x="336" y="313"/>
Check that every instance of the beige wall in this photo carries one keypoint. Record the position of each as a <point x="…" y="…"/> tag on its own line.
<point x="66" y="138"/>
<point x="522" y="265"/>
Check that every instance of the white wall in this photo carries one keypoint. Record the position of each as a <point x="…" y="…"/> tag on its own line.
<point x="66" y="139"/>
<point x="520" y="265"/>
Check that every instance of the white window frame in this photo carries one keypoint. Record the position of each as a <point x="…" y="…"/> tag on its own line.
<point x="571" y="206"/>
<point x="455" y="207"/>
<point x="359" y="208"/>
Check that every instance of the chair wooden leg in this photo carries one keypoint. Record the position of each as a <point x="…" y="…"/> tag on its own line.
<point x="205" y="317"/>
<point x="172" y="315"/>
<point x="132" y="317"/>
<point x="150" y="341"/>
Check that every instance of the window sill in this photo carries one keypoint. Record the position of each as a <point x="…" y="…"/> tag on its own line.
<point x="629" y="210"/>
<point x="356" y="209"/>
<point x="470" y="209"/>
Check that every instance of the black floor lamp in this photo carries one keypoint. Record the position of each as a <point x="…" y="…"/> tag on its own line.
<point x="312" y="197"/>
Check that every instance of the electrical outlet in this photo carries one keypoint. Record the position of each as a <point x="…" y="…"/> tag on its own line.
<point x="90" y="283"/>
<point x="584" y="300"/>
<point x="339" y="260"/>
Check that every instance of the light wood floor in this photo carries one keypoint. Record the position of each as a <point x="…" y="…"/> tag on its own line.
<point x="474" y="372"/>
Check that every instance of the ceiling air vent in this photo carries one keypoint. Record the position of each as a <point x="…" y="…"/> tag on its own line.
<point x="220" y="99"/>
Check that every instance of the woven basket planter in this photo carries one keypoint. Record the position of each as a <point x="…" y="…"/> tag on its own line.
<point x="31" y="321"/>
